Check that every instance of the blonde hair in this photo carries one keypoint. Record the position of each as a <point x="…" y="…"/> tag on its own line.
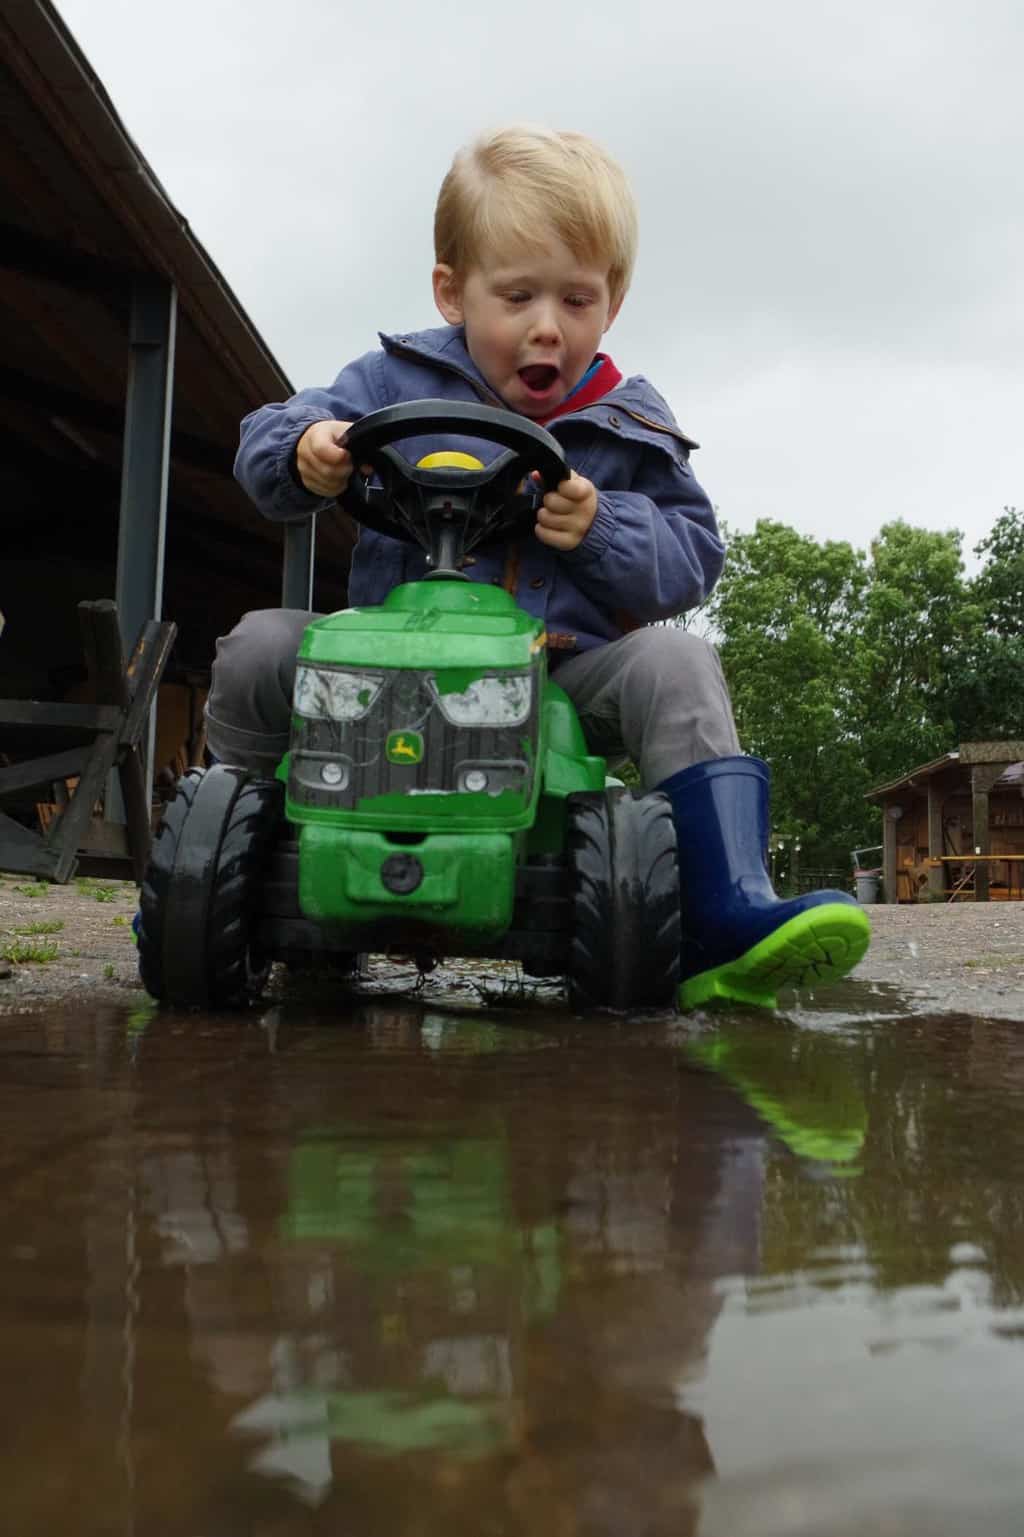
<point x="519" y="180"/>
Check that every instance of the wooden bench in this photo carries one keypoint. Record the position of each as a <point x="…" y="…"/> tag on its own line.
<point x="961" y="885"/>
<point x="114" y="724"/>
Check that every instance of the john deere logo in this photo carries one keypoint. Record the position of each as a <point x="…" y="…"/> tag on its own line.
<point x="404" y="747"/>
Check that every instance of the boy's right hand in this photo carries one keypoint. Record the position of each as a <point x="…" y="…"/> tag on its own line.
<point x="324" y="467"/>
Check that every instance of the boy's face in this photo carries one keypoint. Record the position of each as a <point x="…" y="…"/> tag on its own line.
<point x="533" y="321"/>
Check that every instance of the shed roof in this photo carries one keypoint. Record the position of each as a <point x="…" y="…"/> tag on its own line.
<point x="81" y="214"/>
<point x="1013" y="774"/>
<point x="909" y="781"/>
<point x="83" y="211"/>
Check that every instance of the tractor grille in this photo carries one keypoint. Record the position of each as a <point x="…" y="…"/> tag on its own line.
<point x="405" y="706"/>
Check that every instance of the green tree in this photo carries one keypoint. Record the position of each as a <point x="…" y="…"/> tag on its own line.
<point x="785" y="611"/>
<point x="985" y="684"/>
<point x="847" y="669"/>
<point x="917" y="618"/>
<point x="999" y="586"/>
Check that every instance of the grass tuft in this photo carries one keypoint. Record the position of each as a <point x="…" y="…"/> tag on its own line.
<point x="23" y="952"/>
<point x="44" y="926"/>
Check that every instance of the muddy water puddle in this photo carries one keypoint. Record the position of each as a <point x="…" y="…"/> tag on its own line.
<point x="406" y="1264"/>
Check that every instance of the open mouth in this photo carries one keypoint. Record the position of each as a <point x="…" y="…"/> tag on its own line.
<point x="539" y="377"/>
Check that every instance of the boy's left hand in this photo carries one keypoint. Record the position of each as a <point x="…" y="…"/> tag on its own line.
<point x="566" y="513"/>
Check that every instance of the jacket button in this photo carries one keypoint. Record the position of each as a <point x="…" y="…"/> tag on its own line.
<point x="537" y="581"/>
<point x="613" y="421"/>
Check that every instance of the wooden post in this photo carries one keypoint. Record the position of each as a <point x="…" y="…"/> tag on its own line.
<point x="983" y="777"/>
<point x="936" y="873"/>
<point x="889" y="855"/>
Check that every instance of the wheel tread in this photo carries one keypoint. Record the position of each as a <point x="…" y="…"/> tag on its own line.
<point x="625" y="943"/>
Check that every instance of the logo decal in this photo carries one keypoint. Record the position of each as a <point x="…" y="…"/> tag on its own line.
<point x="404" y="747"/>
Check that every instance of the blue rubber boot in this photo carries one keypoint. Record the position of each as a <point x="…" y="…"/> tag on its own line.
<point x="740" y="940"/>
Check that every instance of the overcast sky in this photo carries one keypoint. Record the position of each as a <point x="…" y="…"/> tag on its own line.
<point x="829" y="290"/>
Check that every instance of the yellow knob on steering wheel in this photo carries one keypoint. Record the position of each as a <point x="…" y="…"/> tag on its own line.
<point x="449" y="459"/>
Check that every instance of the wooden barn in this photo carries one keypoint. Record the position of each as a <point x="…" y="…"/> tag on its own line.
<point x="953" y="829"/>
<point x="126" y="363"/>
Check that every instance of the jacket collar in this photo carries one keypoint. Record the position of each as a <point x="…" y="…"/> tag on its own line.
<point x="445" y="347"/>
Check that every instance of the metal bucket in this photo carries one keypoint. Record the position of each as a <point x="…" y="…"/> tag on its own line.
<point x="867" y="883"/>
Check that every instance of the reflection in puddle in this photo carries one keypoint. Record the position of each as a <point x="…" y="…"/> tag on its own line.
<point x="398" y="1265"/>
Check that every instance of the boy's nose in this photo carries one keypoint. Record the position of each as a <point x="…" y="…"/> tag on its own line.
<point x="544" y="325"/>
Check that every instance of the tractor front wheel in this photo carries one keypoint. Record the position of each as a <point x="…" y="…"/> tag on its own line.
<point x="624" y="870"/>
<point x="201" y="887"/>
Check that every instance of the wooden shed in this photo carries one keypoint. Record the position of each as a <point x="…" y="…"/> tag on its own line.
<point x="126" y="363"/>
<point x="953" y="829"/>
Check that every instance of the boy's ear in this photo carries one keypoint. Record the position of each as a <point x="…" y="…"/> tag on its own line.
<point x="448" y="293"/>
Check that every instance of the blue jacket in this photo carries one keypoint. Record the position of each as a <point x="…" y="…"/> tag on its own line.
<point x="652" y="551"/>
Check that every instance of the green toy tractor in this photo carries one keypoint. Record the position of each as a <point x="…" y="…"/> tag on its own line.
<point x="437" y="798"/>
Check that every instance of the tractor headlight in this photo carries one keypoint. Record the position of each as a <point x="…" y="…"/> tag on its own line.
<point x="327" y="693"/>
<point x="493" y="777"/>
<point x="499" y="699"/>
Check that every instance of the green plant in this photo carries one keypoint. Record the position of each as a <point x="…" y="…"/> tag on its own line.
<point x="104" y="894"/>
<point x="44" y="926"/>
<point x="40" y="889"/>
<point x="109" y="970"/>
<point x="119" y="921"/>
<point x="22" y="952"/>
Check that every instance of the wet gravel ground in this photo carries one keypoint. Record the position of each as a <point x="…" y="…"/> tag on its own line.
<point x="61" y="943"/>
<point x="965" y="957"/>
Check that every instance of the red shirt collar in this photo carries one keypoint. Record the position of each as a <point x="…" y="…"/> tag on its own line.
<point x="601" y="381"/>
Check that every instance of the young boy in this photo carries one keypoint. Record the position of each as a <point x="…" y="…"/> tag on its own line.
<point x="535" y="237"/>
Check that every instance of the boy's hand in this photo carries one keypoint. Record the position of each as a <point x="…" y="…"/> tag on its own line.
<point x="324" y="467"/>
<point x="567" y="513"/>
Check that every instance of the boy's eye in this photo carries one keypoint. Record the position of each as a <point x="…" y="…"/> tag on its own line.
<point x="517" y="296"/>
<point x="578" y="301"/>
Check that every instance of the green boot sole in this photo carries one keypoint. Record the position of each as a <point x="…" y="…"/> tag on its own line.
<point x="814" y="948"/>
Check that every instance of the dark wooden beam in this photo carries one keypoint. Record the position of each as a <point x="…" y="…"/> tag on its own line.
<point x="55" y="261"/>
<point x="63" y="717"/>
<point x="83" y="411"/>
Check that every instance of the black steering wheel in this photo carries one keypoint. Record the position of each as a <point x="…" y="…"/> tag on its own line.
<point x="449" y="511"/>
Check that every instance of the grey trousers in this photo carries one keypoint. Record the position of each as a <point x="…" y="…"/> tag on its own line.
<point x="657" y="696"/>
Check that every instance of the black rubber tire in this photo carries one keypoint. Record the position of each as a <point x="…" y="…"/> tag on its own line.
<point x="195" y="935"/>
<point x="238" y="972"/>
<point x="156" y="882"/>
<point x="624" y="866"/>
